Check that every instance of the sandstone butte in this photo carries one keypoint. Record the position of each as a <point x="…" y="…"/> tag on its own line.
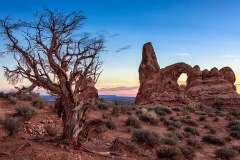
<point x="205" y="87"/>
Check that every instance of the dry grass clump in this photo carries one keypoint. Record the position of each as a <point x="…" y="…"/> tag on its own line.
<point x="225" y="153"/>
<point x="124" y="109"/>
<point x="149" y="116"/>
<point x="26" y="111"/>
<point x="145" y="136"/>
<point x="51" y="130"/>
<point x="213" y="140"/>
<point x="132" y="121"/>
<point x="10" y="125"/>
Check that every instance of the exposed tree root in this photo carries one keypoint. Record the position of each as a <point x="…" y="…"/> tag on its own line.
<point x="24" y="145"/>
<point x="105" y="154"/>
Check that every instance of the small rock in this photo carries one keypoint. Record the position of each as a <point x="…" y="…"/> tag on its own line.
<point x="30" y="131"/>
<point x="108" y="144"/>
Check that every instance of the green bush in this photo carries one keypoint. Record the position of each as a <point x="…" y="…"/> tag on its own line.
<point x="25" y="111"/>
<point x="194" y="142"/>
<point x="12" y="100"/>
<point x="172" y="152"/>
<point x="132" y="121"/>
<point x="225" y="153"/>
<point x="39" y="102"/>
<point x="10" y="125"/>
<point x="145" y="136"/>
<point x="110" y="124"/>
<point x="187" y="152"/>
<point x="213" y="140"/>
<point x="51" y="130"/>
<point x="192" y="130"/>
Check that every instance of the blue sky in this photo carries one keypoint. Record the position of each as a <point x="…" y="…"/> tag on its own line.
<point x="197" y="32"/>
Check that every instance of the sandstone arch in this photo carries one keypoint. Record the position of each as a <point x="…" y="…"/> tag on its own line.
<point x="160" y="84"/>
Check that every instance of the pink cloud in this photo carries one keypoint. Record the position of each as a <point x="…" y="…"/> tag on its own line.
<point x="120" y="91"/>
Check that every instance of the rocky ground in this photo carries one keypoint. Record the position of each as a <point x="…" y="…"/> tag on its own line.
<point x="177" y="127"/>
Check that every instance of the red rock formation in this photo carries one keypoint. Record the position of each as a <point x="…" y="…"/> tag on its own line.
<point x="160" y="85"/>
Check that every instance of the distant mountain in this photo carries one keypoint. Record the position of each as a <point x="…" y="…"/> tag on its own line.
<point x="107" y="97"/>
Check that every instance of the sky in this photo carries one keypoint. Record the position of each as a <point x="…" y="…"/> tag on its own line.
<point x="197" y="32"/>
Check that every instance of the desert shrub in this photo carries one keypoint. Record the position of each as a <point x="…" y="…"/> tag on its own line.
<point x="162" y="110"/>
<point x="126" y="109"/>
<point x="217" y="105"/>
<point x="189" y="109"/>
<point x="177" y="124"/>
<point x="101" y="128"/>
<point x="211" y="129"/>
<point x="192" y="130"/>
<point x="169" y="141"/>
<point x="194" y="142"/>
<point x="173" y="118"/>
<point x="211" y="115"/>
<point x="186" y="134"/>
<point x="234" y="112"/>
<point x="172" y="152"/>
<point x="116" y="110"/>
<point x="10" y="125"/>
<point x="188" y="117"/>
<point x="235" y="128"/>
<point x="187" y="152"/>
<point x="200" y="112"/>
<point x="162" y="119"/>
<point x="216" y="119"/>
<point x="178" y="135"/>
<point x="26" y="111"/>
<point x="232" y="123"/>
<point x="230" y="118"/>
<point x="101" y="100"/>
<point x="228" y="138"/>
<point x="12" y="100"/>
<point x="176" y="109"/>
<point x="132" y="121"/>
<point x="2" y="95"/>
<point x="39" y="102"/>
<point x="129" y="129"/>
<point x="235" y="134"/>
<point x="225" y="153"/>
<point x="110" y="124"/>
<point x="236" y="148"/>
<point x="105" y="116"/>
<point x="25" y="97"/>
<point x="213" y="140"/>
<point x="51" y="130"/>
<point x="189" y="121"/>
<point x="145" y="136"/>
<point x="102" y="105"/>
<point x="202" y="118"/>
<point x="150" y="116"/>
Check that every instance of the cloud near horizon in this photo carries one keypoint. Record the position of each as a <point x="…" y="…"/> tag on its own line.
<point x="182" y="54"/>
<point x="228" y="56"/>
<point x="126" y="91"/>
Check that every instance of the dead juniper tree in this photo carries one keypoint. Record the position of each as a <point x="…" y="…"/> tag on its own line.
<point x="50" y="55"/>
